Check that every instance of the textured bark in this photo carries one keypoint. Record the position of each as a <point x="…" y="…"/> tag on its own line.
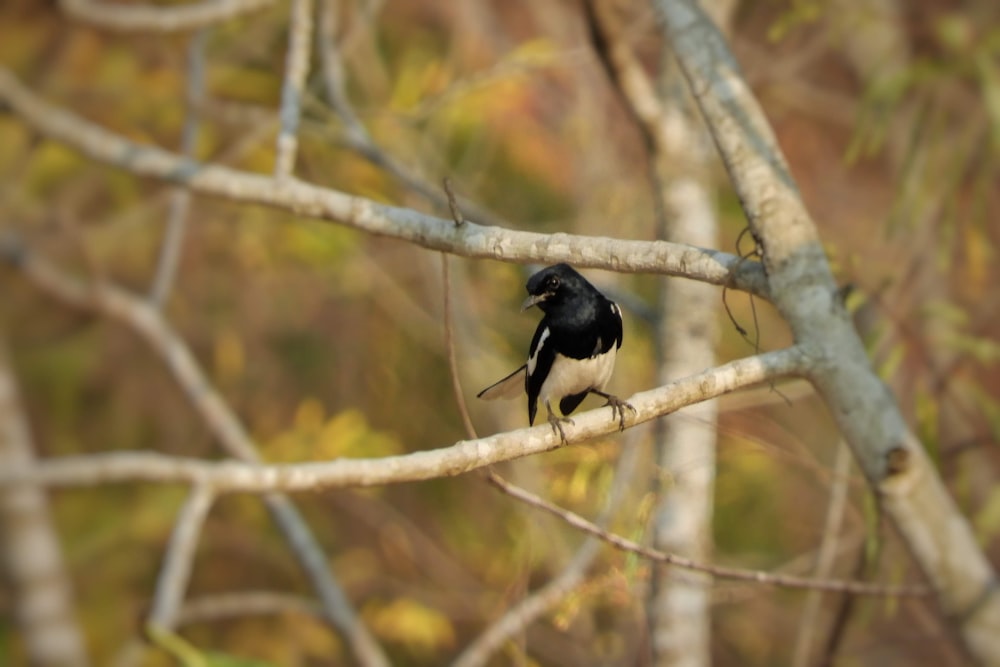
<point x="30" y="548"/>
<point x="804" y="291"/>
<point x="680" y="613"/>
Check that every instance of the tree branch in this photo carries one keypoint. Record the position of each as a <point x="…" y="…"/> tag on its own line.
<point x="718" y="571"/>
<point x="805" y="293"/>
<point x="140" y="316"/>
<point x="178" y="561"/>
<point x="293" y="86"/>
<point x="463" y="456"/>
<point x="469" y="240"/>
<point x="151" y="18"/>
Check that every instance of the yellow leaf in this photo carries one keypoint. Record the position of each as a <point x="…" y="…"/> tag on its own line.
<point x="408" y="622"/>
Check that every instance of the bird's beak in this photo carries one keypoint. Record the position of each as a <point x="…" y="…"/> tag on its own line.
<point x="532" y="300"/>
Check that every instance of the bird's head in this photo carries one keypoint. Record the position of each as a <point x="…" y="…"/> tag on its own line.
<point x="552" y="286"/>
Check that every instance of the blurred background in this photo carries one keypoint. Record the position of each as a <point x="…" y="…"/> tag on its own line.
<point x="329" y="343"/>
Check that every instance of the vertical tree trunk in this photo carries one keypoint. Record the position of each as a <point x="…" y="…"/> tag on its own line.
<point x="680" y="605"/>
<point x="30" y="548"/>
<point x="806" y="294"/>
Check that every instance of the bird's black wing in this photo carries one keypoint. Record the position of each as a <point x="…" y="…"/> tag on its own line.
<point x="605" y="334"/>
<point x="541" y="354"/>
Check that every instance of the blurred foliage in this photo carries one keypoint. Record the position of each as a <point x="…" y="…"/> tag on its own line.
<point x="328" y="343"/>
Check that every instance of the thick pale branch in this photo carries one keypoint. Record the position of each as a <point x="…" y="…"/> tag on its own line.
<point x="804" y="291"/>
<point x="469" y="239"/>
<point x="152" y="18"/>
<point x="463" y="456"/>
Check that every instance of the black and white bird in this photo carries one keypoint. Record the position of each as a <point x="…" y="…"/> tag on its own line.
<point x="573" y="351"/>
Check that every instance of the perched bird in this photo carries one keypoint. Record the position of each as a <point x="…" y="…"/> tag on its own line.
<point x="572" y="353"/>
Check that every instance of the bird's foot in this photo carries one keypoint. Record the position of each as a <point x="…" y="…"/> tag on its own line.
<point x="618" y="407"/>
<point x="556" y="424"/>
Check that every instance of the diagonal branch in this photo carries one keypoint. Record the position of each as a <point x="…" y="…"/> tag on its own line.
<point x="469" y="240"/>
<point x="806" y="294"/>
<point x="143" y="318"/>
<point x="718" y="571"/>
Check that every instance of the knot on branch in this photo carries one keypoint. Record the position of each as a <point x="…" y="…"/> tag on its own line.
<point x="897" y="461"/>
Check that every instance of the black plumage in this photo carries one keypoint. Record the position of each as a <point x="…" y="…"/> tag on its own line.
<point x="573" y="351"/>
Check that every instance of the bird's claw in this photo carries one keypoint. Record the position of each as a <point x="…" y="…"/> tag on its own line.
<point x="618" y="407"/>
<point x="556" y="424"/>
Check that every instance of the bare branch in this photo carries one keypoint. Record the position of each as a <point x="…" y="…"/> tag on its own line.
<point x="29" y="549"/>
<point x="152" y="18"/>
<point x="146" y="321"/>
<point x="463" y="456"/>
<point x="456" y="459"/>
<point x="178" y="561"/>
<point x="470" y="240"/>
<point x="783" y="580"/>
<point x="293" y="86"/>
<point x="225" y="606"/>
<point x="805" y="293"/>
<point x="540" y="601"/>
<point x="180" y="198"/>
<point x="826" y="556"/>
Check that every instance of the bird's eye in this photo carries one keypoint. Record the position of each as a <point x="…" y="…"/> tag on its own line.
<point x="553" y="282"/>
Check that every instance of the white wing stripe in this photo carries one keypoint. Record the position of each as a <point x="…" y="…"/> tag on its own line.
<point x="533" y="359"/>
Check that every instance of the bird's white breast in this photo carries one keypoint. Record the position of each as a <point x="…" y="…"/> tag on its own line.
<point x="570" y="376"/>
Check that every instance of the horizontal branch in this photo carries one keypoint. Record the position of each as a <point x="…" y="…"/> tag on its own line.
<point x="301" y="198"/>
<point x="153" y="18"/>
<point x="463" y="456"/>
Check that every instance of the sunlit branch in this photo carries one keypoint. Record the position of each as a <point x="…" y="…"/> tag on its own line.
<point x="470" y="240"/>
<point x="461" y="457"/>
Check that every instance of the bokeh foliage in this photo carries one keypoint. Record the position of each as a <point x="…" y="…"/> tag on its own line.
<point x="328" y="343"/>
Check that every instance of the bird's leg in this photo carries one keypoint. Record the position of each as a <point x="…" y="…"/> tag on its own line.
<point x="557" y="422"/>
<point x="618" y="407"/>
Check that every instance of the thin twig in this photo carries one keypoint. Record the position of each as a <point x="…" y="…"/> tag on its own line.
<point x="293" y="86"/>
<point x="178" y="561"/>
<point x="826" y="556"/>
<point x="180" y="198"/>
<point x="225" y="606"/>
<point x="718" y="571"/>
<point x="456" y="212"/>
<point x="356" y="135"/>
<point x="542" y="600"/>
